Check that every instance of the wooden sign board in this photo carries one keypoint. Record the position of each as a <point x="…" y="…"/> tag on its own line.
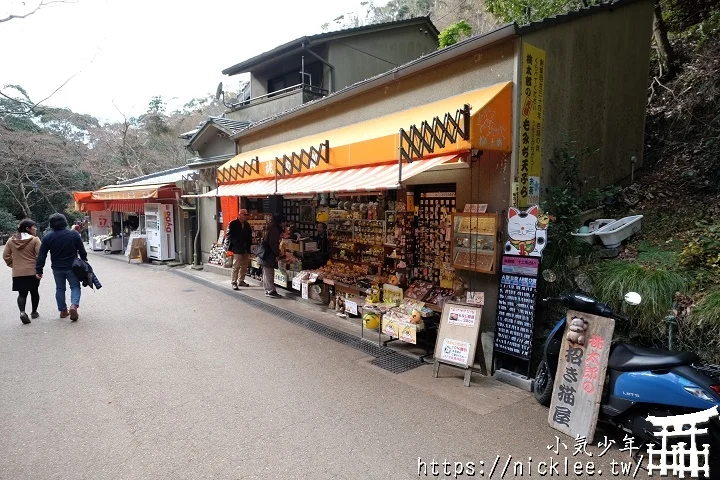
<point x="580" y="377"/>
<point x="457" y="339"/>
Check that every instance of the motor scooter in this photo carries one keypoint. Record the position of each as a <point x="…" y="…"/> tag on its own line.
<point x="639" y="381"/>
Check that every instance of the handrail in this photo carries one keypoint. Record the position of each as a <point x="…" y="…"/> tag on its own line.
<point x="300" y="86"/>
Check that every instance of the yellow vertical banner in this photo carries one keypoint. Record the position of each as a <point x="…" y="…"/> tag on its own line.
<point x="532" y="92"/>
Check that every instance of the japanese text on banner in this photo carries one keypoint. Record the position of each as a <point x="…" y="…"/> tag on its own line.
<point x="532" y="90"/>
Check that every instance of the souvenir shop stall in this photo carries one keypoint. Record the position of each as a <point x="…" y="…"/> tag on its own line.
<point x="123" y="214"/>
<point x="394" y="258"/>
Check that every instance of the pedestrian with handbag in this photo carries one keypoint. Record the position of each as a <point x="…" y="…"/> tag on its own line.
<point x="268" y="254"/>
<point x="20" y="254"/>
<point x="239" y="241"/>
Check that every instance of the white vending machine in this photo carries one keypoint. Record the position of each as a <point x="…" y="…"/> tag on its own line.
<point x="160" y="229"/>
<point x="100" y="224"/>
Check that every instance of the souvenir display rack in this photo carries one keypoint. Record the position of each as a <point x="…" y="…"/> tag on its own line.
<point x="218" y="252"/>
<point x="474" y="245"/>
<point x="301" y="213"/>
<point x="433" y="249"/>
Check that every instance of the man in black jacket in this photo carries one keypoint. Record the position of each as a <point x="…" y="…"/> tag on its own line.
<point x="240" y="242"/>
<point x="64" y="246"/>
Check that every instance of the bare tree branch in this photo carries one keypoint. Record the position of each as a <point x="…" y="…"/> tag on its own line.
<point x="43" y="3"/>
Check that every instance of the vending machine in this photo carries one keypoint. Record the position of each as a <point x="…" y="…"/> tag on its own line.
<point x="160" y="229"/>
<point x="100" y="225"/>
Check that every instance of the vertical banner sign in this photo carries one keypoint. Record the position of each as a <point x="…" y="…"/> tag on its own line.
<point x="532" y="91"/>
<point x="578" y="386"/>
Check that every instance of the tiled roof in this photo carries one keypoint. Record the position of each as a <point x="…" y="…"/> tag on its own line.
<point x="166" y="176"/>
<point x="227" y="125"/>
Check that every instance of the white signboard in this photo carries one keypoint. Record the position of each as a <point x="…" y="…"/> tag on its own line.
<point x="297" y="283"/>
<point x="351" y="307"/>
<point x="465" y="317"/>
<point x="455" y="351"/>
<point x="304" y="290"/>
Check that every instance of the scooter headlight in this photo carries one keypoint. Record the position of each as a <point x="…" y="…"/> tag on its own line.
<point x="699" y="393"/>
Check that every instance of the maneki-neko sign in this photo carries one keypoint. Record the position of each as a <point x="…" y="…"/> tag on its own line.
<point x="527" y="232"/>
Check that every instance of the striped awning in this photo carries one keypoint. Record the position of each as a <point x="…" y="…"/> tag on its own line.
<point x="364" y="179"/>
<point x="127" y="206"/>
<point x="381" y="177"/>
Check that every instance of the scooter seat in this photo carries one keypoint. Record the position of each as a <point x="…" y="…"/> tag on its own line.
<point x="627" y="358"/>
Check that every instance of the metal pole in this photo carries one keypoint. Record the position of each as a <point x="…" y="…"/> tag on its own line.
<point x="400" y="159"/>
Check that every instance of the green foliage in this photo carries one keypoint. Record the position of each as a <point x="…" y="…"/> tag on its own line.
<point x="8" y="222"/>
<point x="526" y="11"/>
<point x="566" y="200"/>
<point x="653" y="255"/>
<point x="680" y="16"/>
<point x="702" y="251"/>
<point x="391" y="11"/>
<point x="453" y="33"/>
<point x="700" y="330"/>
<point x="657" y="286"/>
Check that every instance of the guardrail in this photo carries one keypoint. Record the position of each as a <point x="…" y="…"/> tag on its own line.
<point x="321" y="92"/>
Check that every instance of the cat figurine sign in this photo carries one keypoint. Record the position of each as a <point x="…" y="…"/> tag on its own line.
<point x="527" y="232"/>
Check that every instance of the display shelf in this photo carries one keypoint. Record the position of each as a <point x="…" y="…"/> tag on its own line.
<point x="474" y="245"/>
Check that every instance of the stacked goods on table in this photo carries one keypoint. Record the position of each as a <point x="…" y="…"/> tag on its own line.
<point x="425" y="292"/>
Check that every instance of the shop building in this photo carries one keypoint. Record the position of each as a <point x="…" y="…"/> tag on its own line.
<point x="301" y="71"/>
<point x="416" y="169"/>
<point x="149" y="208"/>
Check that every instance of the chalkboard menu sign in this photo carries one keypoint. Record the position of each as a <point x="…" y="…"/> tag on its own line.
<point x="516" y="306"/>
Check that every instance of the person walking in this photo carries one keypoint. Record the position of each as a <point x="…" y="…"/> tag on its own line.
<point x="20" y="254"/>
<point x="270" y="251"/>
<point x="240" y="242"/>
<point x="64" y="246"/>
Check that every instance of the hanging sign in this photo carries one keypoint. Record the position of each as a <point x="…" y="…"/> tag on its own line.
<point x="532" y="96"/>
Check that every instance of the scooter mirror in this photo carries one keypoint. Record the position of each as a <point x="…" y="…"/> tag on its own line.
<point x="633" y="298"/>
<point x="549" y="276"/>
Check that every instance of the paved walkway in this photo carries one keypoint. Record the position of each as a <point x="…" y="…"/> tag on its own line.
<point x="163" y="377"/>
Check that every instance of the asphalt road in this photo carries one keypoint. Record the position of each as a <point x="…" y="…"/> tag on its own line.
<point x="164" y="378"/>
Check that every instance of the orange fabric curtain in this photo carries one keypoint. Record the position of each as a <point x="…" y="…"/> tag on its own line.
<point x="230" y="207"/>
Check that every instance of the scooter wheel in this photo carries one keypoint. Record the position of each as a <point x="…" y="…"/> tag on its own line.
<point x="543" y="384"/>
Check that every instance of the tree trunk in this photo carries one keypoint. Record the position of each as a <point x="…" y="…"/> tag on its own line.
<point x="23" y="201"/>
<point x="665" y="50"/>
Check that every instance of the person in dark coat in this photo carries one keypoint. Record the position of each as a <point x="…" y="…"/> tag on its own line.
<point x="64" y="246"/>
<point x="271" y="243"/>
<point x="239" y="242"/>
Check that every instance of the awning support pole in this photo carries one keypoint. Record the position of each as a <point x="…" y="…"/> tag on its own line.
<point x="400" y="161"/>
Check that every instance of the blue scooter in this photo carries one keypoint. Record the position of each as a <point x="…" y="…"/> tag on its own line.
<point x="640" y="381"/>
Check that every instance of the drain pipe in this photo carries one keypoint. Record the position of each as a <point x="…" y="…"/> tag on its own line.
<point x="197" y="234"/>
<point x="324" y="62"/>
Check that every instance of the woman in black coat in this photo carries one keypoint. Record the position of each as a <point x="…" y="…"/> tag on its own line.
<point x="271" y="241"/>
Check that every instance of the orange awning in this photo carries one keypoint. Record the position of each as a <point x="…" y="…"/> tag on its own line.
<point x="378" y="141"/>
<point x="373" y="178"/>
